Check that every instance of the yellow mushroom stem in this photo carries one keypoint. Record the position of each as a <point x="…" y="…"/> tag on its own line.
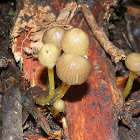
<point x="42" y="100"/>
<point x="129" y="84"/>
<point x="62" y="90"/>
<point x="54" y="113"/>
<point x="51" y="83"/>
<point x="59" y="93"/>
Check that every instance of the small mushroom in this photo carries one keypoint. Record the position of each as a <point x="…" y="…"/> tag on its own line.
<point x="54" y="36"/>
<point x="72" y="69"/>
<point x="75" y="41"/>
<point x="48" y="57"/>
<point x="59" y="105"/>
<point x="132" y="62"/>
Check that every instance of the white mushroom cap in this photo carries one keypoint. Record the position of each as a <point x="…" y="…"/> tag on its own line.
<point x="75" y="41"/>
<point x="48" y="55"/>
<point x="54" y="36"/>
<point x="73" y="69"/>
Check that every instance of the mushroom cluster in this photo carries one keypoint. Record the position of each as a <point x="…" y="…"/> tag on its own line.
<point x="72" y="67"/>
<point x="66" y="50"/>
<point x="132" y="62"/>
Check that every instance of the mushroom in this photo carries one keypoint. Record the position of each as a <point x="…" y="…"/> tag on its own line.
<point x="57" y="107"/>
<point x="72" y="69"/>
<point x="75" y="41"/>
<point x="54" y="36"/>
<point x="48" y="57"/>
<point x="132" y="62"/>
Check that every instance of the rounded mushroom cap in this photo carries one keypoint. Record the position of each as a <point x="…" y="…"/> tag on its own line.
<point x="48" y="55"/>
<point x="54" y="36"/>
<point x="75" y="41"/>
<point x="132" y="62"/>
<point x="59" y="105"/>
<point x="73" y="69"/>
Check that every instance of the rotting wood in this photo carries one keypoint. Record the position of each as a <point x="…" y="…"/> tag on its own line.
<point x="31" y="93"/>
<point x="4" y="46"/>
<point x="129" y="33"/>
<point x="131" y="108"/>
<point x="27" y="37"/>
<point x="92" y="108"/>
<point x="11" y="75"/>
<point x="115" y="53"/>
<point x="38" y="116"/>
<point x="11" y="102"/>
<point x="12" y="114"/>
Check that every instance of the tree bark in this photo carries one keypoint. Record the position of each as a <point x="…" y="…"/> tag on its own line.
<point x="93" y="107"/>
<point x="12" y="115"/>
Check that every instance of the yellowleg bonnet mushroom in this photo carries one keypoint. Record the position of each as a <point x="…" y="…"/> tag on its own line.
<point x="54" y="36"/>
<point x="75" y="41"/>
<point x="48" y="57"/>
<point x="72" y="69"/>
<point x="132" y="62"/>
<point x="57" y="107"/>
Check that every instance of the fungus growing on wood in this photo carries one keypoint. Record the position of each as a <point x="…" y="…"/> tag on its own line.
<point x="75" y="41"/>
<point x="72" y="69"/>
<point x="48" y="57"/>
<point x="54" y="36"/>
<point x="132" y="62"/>
<point x="59" y="105"/>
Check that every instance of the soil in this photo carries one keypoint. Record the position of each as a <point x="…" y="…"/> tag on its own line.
<point x="119" y="36"/>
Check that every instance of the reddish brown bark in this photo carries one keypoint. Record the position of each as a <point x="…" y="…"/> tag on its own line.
<point x="92" y="108"/>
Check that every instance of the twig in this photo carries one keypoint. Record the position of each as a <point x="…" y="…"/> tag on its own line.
<point x="40" y="119"/>
<point x="130" y="36"/>
<point x="115" y="53"/>
<point x="67" y="13"/>
<point x="66" y="129"/>
<point x="127" y="41"/>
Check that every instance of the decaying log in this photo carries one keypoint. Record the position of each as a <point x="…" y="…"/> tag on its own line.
<point x="92" y="107"/>
<point x="115" y="53"/>
<point x="38" y="116"/>
<point x="27" y="37"/>
<point x="131" y="108"/>
<point x="11" y="101"/>
<point x="12" y="114"/>
<point x="4" y="44"/>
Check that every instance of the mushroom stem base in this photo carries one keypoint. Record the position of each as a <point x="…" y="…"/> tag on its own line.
<point x="54" y="113"/>
<point x="129" y="84"/>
